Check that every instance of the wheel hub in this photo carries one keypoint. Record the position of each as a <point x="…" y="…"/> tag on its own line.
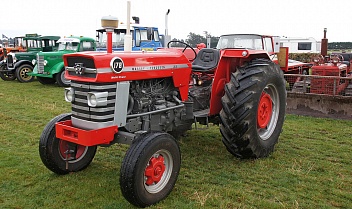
<point x="265" y="109"/>
<point x="154" y="170"/>
<point x="66" y="152"/>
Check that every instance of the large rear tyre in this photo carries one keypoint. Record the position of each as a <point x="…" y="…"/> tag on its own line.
<point x="253" y="109"/>
<point x="45" y="80"/>
<point x="22" y="73"/>
<point x="61" y="79"/>
<point x="150" y="169"/>
<point x="61" y="156"/>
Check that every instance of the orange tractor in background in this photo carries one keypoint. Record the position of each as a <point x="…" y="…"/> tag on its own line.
<point x="7" y="48"/>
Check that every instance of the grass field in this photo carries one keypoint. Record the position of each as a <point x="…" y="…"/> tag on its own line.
<point x="310" y="168"/>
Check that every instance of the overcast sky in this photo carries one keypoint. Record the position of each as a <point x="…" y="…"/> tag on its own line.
<point x="291" y="18"/>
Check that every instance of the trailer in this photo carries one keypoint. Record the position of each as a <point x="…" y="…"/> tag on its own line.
<point x="301" y="45"/>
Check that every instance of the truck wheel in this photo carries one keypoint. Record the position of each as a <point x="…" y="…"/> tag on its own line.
<point x="253" y="109"/>
<point x="21" y="73"/>
<point x="150" y="168"/>
<point x="61" y="80"/>
<point x="7" y="76"/>
<point x="52" y="150"/>
<point x="45" y="80"/>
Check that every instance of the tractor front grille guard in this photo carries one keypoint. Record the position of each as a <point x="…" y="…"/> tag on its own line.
<point x="81" y="108"/>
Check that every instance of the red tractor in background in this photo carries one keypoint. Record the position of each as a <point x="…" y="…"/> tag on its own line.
<point x="334" y="69"/>
<point x="147" y="99"/>
<point x="328" y="76"/>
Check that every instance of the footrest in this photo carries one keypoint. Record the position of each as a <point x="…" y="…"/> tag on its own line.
<point x="201" y="114"/>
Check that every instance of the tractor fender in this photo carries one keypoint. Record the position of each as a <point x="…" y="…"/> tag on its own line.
<point x="22" y="62"/>
<point x="57" y="68"/>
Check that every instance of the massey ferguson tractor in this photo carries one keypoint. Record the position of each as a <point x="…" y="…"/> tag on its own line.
<point x="147" y="99"/>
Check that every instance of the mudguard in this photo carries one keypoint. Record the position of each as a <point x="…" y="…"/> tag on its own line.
<point x="21" y="62"/>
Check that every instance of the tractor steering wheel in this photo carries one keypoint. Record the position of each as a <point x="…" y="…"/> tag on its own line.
<point x="184" y="49"/>
<point x="336" y="58"/>
<point x="318" y="59"/>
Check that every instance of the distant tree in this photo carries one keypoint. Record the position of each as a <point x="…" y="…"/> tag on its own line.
<point x="340" y="45"/>
<point x="194" y="39"/>
<point x="177" y="44"/>
<point x="214" y="41"/>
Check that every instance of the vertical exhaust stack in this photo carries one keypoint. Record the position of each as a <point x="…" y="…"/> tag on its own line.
<point x="167" y="37"/>
<point x="109" y="23"/>
<point x="324" y="44"/>
<point x="128" y="36"/>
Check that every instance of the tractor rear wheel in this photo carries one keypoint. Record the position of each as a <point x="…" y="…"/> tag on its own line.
<point x="61" y="156"/>
<point x="45" y="80"/>
<point x="21" y="73"/>
<point x="253" y="109"/>
<point x="150" y="168"/>
<point x="61" y="79"/>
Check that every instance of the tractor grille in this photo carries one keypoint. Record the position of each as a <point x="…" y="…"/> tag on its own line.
<point x="9" y="61"/>
<point x="80" y="108"/>
<point x="87" y="62"/>
<point x="87" y="65"/>
<point x="40" y="64"/>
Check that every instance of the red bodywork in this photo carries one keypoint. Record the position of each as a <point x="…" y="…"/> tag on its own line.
<point x="149" y="65"/>
<point x="330" y="84"/>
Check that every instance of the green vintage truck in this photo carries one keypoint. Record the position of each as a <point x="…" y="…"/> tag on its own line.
<point x="19" y="64"/>
<point x="49" y="66"/>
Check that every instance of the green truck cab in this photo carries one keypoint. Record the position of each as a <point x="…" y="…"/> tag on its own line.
<point x="17" y="65"/>
<point x="49" y="66"/>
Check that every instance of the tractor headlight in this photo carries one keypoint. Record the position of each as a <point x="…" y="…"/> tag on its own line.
<point x="244" y="53"/>
<point x="45" y="62"/>
<point x="97" y="99"/>
<point x="34" y="61"/>
<point x="69" y="94"/>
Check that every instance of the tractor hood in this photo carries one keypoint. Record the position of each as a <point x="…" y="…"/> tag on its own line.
<point x="102" y="67"/>
<point x="122" y="66"/>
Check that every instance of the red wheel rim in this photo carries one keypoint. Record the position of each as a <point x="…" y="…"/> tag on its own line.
<point x="265" y="110"/>
<point x="63" y="146"/>
<point x="154" y="170"/>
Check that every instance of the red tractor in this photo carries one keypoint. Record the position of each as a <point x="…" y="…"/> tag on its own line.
<point x="328" y="76"/>
<point x="148" y="99"/>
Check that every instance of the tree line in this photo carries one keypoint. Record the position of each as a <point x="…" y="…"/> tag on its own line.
<point x="340" y="45"/>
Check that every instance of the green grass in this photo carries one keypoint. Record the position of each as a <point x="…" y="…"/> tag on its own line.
<point x="310" y="168"/>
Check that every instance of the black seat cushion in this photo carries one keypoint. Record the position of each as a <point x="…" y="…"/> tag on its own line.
<point x="206" y="60"/>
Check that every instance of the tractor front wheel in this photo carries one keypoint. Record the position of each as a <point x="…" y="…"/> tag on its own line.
<point x="150" y="169"/>
<point x="61" y="79"/>
<point x="253" y="109"/>
<point x="22" y="73"/>
<point x="61" y="156"/>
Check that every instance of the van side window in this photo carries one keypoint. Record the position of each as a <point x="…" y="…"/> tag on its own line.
<point x="87" y="46"/>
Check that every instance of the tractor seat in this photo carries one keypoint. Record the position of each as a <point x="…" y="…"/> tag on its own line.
<point x="207" y="60"/>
